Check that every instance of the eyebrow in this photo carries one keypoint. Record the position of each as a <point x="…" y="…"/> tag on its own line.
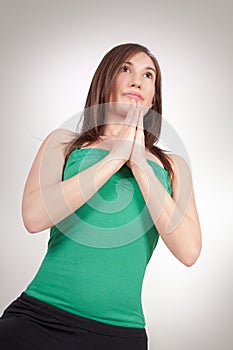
<point x="131" y="64"/>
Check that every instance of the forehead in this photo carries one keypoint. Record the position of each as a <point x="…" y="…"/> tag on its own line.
<point x="142" y="59"/>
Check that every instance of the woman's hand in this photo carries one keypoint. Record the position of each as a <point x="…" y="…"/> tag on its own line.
<point x="123" y="144"/>
<point x="138" y="154"/>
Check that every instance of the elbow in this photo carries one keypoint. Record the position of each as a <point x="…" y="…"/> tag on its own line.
<point x="30" y="226"/>
<point x="32" y="229"/>
<point x="30" y="223"/>
<point x="194" y="252"/>
<point x="189" y="262"/>
<point x="192" y="258"/>
<point x="33" y="222"/>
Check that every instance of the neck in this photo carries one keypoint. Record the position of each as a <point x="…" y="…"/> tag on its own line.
<point x="115" y="115"/>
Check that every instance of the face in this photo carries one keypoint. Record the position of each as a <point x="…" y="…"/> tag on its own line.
<point x="135" y="80"/>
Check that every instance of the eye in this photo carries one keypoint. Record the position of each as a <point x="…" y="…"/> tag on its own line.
<point x="149" y="75"/>
<point x="125" y="69"/>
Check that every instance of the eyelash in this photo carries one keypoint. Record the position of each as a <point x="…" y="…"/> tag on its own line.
<point x="124" y="68"/>
<point x="150" y="74"/>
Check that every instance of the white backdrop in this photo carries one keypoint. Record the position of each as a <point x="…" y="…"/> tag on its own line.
<point x="49" y="52"/>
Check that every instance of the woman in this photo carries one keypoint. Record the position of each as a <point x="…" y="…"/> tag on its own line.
<point x="106" y="194"/>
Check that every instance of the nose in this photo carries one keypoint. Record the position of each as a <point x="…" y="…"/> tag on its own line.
<point x="135" y="82"/>
<point x="137" y="85"/>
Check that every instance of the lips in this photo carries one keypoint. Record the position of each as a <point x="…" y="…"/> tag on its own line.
<point x="134" y="95"/>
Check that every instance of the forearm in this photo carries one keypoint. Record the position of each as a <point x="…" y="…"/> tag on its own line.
<point x="179" y="232"/>
<point x="48" y="205"/>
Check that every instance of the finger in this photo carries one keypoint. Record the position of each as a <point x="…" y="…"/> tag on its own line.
<point x="140" y="119"/>
<point x="134" y="109"/>
<point x="140" y="126"/>
<point x="132" y="118"/>
<point x="139" y="138"/>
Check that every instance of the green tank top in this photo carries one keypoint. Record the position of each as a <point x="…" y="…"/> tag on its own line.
<point x="96" y="257"/>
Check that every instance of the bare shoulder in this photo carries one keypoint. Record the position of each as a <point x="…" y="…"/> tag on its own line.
<point x="49" y="159"/>
<point x="62" y="135"/>
<point x="58" y="139"/>
<point x="151" y="156"/>
<point x="177" y="162"/>
<point x="181" y="173"/>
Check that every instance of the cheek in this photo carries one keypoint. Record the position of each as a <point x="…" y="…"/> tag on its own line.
<point x="113" y="93"/>
<point x="115" y="88"/>
<point x="122" y="81"/>
<point x="150" y="97"/>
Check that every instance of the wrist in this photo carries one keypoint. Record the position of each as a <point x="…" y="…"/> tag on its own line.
<point x="140" y="165"/>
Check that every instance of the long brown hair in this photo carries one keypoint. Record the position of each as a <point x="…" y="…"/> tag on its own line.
<point x="98" y="96"/>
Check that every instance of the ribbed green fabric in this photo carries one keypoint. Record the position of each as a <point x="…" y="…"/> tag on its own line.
<point x="103" y="283"/>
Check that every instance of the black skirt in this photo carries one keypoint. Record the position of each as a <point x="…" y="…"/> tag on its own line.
<point x="30" y="324"/>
